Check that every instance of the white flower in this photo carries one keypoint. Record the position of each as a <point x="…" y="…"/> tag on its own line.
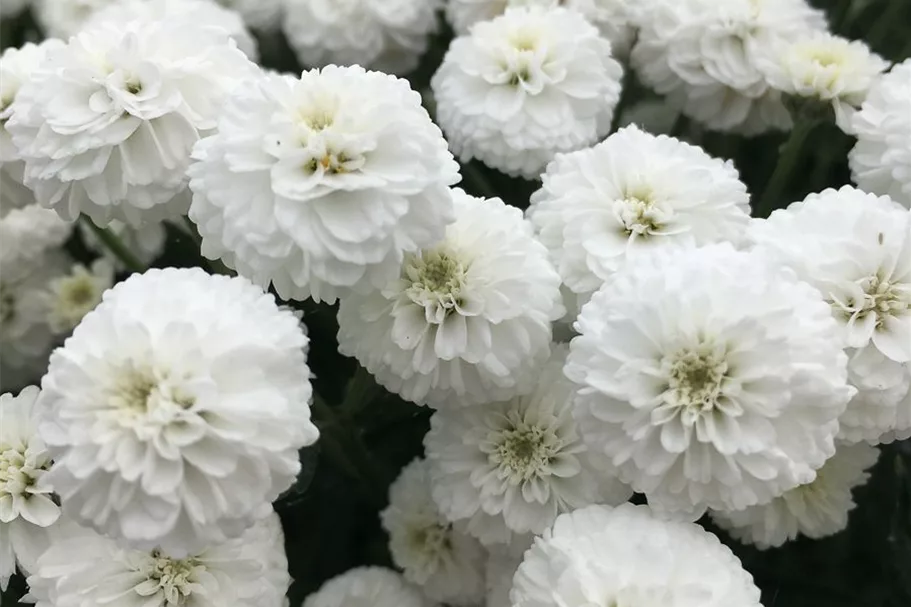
<point x="512" y="467"/>
<point x="633" y="193"/>
<point x="13" y="7"/>
<point x="610" y="16"/>
<point x="827" y="68"/>
<point x="532" y="82"/>
<point x="64" y="18"/>
<point x="881" y="160"/>
<point x="366" y="587"/>
<point x="146" y="242"/>
<point x="709" y="378"/>
<point x="105" y="125"/>
<point x="627" y="557"/>
<point x="25" y="337"/>
<point x="67" y="299"/>
<point x="816" y="510"/>
<point x="321" y="184"/>
<point x="16" y="67"/>
<point x="27" y="233"/>
<point x="176" y="410"/>
<point x="856" y="249"/>
<point x="26" y="508"/>
<point x="468" y="320"/>
<point x="258" y="14"/>
<point x="83" y="568"/>
<point x="388" y="36"/>
<point x="433" y="553"/>
<point x="202" y="13"/>
<point x="704" y="54"/>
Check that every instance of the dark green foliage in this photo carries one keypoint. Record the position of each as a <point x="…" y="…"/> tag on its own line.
<point x="330" y="516"/>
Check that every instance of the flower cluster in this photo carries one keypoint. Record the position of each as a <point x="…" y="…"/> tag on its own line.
<point x="605" y="306"/>
<point x="705" y="56"/>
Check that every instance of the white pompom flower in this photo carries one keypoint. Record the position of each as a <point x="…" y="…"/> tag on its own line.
<point x="388" y="36"/>
<point x="881" y="159"/>
<point x="202" y="13"/>
<point x="176" y="410"/>
<point x="708" y="378"/>
<point x="509" y="469"/>
<point x="816" y="510"/>
<point x="367" y="587"/>
<point x="433" y="553"/>
<point x="705" y="56"/>
<point x="264" y="15"/>
<point x="625" y="556"/>
<point x="609" y="16"/>
<point x="856" y="249"/>
<point x="827" y="68"/>
<point x="83" y="568"/>
<point x="106" y="124"/>
<point x="466" y="321"/>
<point x="633" y="193"/>
<point x="320" y="184"/>
<point x="26" y="507"/>
<point x="64" y="18"/>
<point x="525" y="86"/>
<point x="146" y="242"/>
<point x="16" y="68"/>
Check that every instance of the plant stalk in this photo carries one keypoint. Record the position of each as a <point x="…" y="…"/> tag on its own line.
<point x="787" y="163"/>
<point x="116" y="246"/>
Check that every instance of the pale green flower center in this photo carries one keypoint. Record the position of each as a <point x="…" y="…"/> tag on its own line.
<point x="638" y="213"/>
<point x="74" y="297"/>
<point x="137" y="391"/>
<point x="171" y="578"/>
<point x="882" y="297"/>
<point x="696" y="378"/>
<point x="431" y="540"/>
<point x="17" y="472"/>
<point x="524" y="452"/>
<point x="437" y="280"/>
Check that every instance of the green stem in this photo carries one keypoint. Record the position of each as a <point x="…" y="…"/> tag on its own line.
<point x="787" y="162"/>
<point x="116" y="246"/>
<point x="344" y="447"/>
